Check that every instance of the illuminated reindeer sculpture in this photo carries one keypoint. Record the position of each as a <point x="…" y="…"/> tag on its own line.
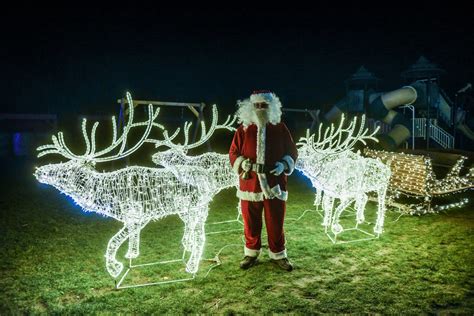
<point x="342" y="174"/>
<point x="133" y="195"/>
<point x="210" y="170"/>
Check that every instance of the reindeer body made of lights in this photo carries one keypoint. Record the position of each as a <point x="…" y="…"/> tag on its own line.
<point x="342" y="174"/>
<point x="213" y="169"/>
<point x="133" y="195"/>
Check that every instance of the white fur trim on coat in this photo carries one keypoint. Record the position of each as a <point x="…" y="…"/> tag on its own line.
<point x="237" y="163"/>
<point x="261" y="132"/>
<point x="262" y="178"/>
<point x="258" y="196"/>
<point x="251" y="252"/>
<point x="267" y="191"/>
<point x="279" y="194"/>
<point x="277" y="255"/>
<point x="250" y="196"/>
<point x="291" y="164"/>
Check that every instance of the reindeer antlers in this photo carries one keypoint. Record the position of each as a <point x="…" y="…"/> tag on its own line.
<point x="331" y="142"/>
<point x="205" y="135"/>
<point x="59" y="146"/>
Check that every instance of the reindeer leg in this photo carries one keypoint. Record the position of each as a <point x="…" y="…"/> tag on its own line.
<point x="198" y="239"/>
<point x="328" y="204"/>
<point x="336" y="227"/>
<point x="318" y="198"/>
<point x="378" y="229"/>
<point x="239" y="212"/>
<point x="113" y="266"/>
<point x="186" y="241"/>
<point x="134" y="229"/>
<point x="361" y="201"/>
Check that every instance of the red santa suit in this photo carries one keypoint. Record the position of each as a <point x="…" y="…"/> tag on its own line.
<point x="264" y="146"/>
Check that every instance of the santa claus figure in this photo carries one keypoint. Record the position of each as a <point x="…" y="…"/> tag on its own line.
<point x="264" y="154"/>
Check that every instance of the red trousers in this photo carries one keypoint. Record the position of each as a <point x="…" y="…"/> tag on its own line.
<point x="274" y="216"/>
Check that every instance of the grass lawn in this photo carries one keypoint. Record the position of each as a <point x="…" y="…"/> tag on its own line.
<point x="53" y="261"/>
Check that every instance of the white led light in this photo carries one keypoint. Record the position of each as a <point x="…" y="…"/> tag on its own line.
<point x="136" y="195"/>
<point x="210" y="170"/>
<point x="413" y="176"/>
<point x="342" y="174"/>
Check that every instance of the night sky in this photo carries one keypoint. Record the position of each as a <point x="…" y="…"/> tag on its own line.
<point x="58" y="60"/>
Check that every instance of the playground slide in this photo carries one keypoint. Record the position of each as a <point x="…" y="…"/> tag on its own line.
<point x="463" y="125"/>
<point x="466" y="131"/>
<point x="381" y="107"/>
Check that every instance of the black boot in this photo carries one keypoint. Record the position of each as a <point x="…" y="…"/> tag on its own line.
<point x="248" y="262"/>
<point x="284" y="263"/>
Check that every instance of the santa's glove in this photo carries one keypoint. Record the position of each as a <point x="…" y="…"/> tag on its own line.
<point x="246" y="165"/>
<point x="279" y="168"/>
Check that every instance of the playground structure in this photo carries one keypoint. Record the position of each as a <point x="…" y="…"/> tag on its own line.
<point x="433" y="119"/>
<point x="419" y="114"/>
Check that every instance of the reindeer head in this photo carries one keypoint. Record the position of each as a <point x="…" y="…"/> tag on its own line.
<point x="210" y="169"/>
<point x="330" y="144"/>
<point x="320" y="160"/>
<point x="335" y="141"/>
<point x="176" y="154"/>
<point x="56" y="173"/>
<point x="53" y="174"/>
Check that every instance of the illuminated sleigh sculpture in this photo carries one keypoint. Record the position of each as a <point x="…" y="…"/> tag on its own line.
<point x="338" y="173"/>
<point x="133" y="195"/>
<point x="413" y="177"/>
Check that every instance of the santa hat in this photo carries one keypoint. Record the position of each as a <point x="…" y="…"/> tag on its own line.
<point x="246" y="109"/>
<point x="262" y="96"/>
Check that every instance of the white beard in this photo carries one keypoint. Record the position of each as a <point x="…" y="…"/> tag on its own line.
<point x="261" y="117"/>
<point x="248" y="114"/>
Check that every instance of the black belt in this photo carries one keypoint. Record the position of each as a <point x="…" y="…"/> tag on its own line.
<point x="261" y="168"/>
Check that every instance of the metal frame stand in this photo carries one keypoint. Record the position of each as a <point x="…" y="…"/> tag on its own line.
<point x="215" y="259"/>
<point x="334" y="240"/>
<point x="238" y="220"/>
<point x="225" y="222"/>
<point x="118" y="286"/>
<point x="334" y="237"/>
<point x="317" y="211"/>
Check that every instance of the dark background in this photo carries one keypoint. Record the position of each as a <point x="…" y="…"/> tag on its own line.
<point x="80" y="60"/>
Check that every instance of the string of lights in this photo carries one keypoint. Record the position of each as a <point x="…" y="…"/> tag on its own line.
<point x="338" y="173"/>
<point x="133" y="195"/>
<point x="413" y="177"/>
